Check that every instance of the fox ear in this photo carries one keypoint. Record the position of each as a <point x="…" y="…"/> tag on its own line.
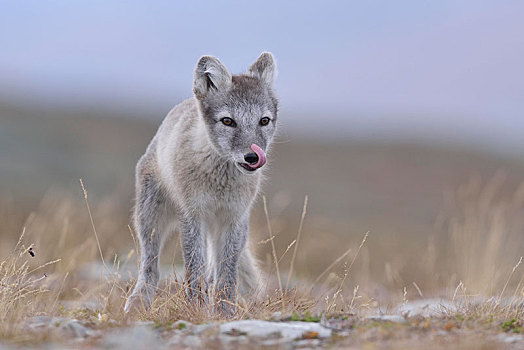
<point x="264" y="68"/>
<point x="210" y="74"/>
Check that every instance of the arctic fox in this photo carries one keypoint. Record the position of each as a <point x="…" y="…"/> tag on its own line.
<point x="201" y="174"/>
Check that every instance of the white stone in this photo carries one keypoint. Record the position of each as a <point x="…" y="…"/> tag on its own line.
<point x="274" y="331"/>
<point x="387" y="318"/>
<point x="37" y="322"/>
<point x="75" y="329"/>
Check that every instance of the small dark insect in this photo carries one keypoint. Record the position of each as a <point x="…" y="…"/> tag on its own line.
<point x="31" y="252"/>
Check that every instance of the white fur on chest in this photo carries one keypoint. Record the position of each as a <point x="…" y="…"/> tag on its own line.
<point x="219" y="193"/>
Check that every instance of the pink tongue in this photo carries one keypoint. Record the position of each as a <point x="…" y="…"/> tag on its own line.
<point x="261" y="156"/>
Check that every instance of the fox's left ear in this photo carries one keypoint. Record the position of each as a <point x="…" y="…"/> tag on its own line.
<point x="264" y="68"/>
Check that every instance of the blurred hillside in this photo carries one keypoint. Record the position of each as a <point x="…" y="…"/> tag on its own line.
<point x="356" y="186"/>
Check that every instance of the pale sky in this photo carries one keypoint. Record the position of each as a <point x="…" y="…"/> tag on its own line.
<point x="431" y="70"/>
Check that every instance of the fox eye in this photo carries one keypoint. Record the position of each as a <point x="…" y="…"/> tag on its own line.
<point x="264" y="121"/>
<point x="228" y="121"/>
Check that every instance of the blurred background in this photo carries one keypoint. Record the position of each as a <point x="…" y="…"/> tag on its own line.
<point x="404" y="119"/>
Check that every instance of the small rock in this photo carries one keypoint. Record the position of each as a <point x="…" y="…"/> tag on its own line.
<point x="39" y="322"/>
<point x="339" y="323"/>
<point x="387" y="318"/>
<point x="75" y="329"/>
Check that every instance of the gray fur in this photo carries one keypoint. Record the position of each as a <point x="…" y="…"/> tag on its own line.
<point x="190" y="179"/>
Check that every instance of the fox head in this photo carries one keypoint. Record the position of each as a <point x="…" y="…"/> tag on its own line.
<point x="239" y="111"/>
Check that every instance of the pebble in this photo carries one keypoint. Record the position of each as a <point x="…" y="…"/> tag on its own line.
<point x="75" y="329"/>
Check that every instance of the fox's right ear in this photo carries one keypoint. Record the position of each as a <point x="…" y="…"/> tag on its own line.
<point x="210" y="74"/>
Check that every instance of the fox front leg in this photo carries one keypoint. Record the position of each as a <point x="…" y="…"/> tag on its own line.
<point x="228" y="255"/>
<point x="194" y="247"/>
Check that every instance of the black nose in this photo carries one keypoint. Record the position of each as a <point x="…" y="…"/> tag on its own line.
<point x="251" y="158"/>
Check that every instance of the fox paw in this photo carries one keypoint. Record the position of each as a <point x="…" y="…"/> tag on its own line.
<point x="140" y="300"/>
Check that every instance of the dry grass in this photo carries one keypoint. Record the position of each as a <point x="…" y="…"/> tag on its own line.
<point x="21" y="289"/>
<point x="472" y="259"/>
<point x="37" y="283"/>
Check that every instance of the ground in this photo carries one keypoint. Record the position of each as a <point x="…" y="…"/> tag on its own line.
<point x="426" y="326"/>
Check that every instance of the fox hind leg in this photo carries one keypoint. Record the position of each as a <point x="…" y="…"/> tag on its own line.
<point x="151" y="225"/>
